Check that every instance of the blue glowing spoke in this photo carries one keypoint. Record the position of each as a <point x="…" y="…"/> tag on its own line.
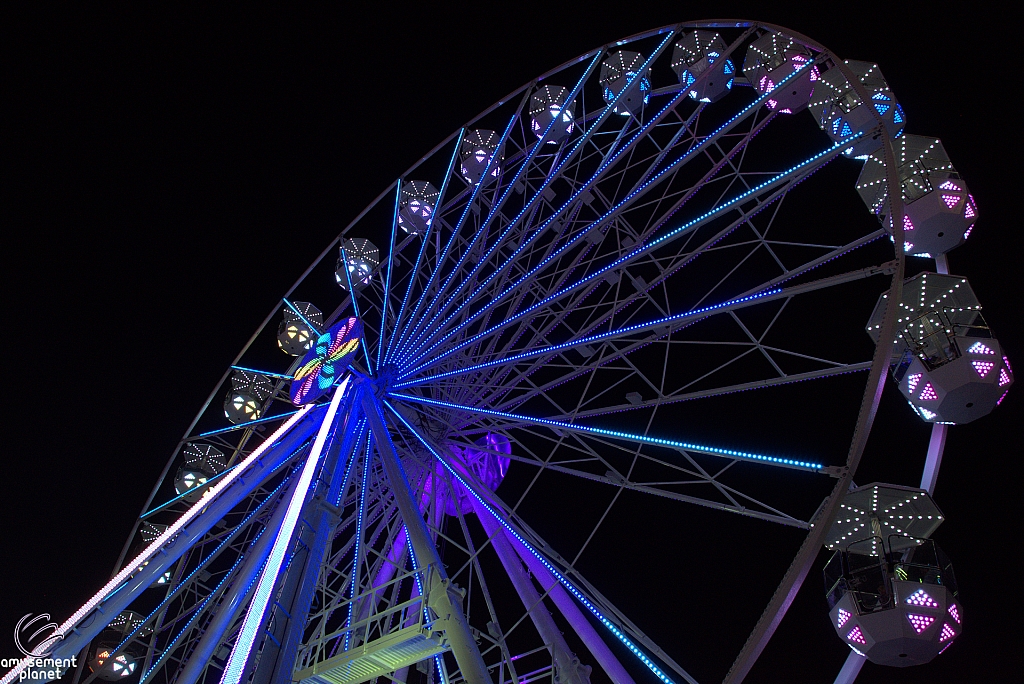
<point x="610" y="215"/>
<point x="529" y="205"/>
<point x="399" y="329"/>
<point x="356" y="565"/>
<point x="693" y="313"/>
<point x="580" y="596"/>
<point x="387" y="281"/>
<point x="807" y="165"/>
<point x="355" y="307"/>
<point x="302" y="318"/>
<point x="655" y="441"/>
<point x="477" y="189"/>
<point x="609" y="108"/>
<point x="247" y="424"/>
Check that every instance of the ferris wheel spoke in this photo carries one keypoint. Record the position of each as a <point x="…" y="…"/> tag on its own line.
<point x="620" y="435"/>
<point x="424" y="241"/>
<point x="563" y="165"/>
<point x="495" y="209"/>
<point x="442" y="258"/>
<point x="601" y="359"/>
<point x="614" y="211"/>
<point x="591" y="599"/>
<point x="772" y="189"/>
<point x="580" y="344"/>
<point x="662" y="326"/>
<point x="714" y="138"/>
<point x="386" y="297"/>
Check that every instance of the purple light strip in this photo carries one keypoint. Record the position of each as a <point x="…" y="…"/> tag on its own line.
<point x="619" y="634"/>
<point x="688" y="446"/>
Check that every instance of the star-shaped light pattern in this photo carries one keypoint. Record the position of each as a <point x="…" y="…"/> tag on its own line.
<point x="149" y="531"/>
<point x="835" y="104"/>
<point x="908" y="514"/>
<point x="920" y="622"/>
<point x="321" y="367"/>
<point x="549" y="102"/>
<point x="933" y="306"/>
<point x="205" y="457"/>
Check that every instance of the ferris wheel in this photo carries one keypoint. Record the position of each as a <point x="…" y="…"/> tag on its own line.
<point x="650" y="290"/>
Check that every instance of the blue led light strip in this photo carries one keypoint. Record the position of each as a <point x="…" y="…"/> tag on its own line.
<point x="551" y="568"/>
<point x="441" y="672"/>
<point x="727" y="453"/>
<point x="399" y="332"/>
<point x="242" y="426"/>
<point x="833" y="151"/>
<point x="686" y="156"/>
<point x="593" y="338"/>
<point x="355" y="306"/>
<point x="537" y="195"/>
<point x="455" y="231"/>
<point x="387" y="281"/>
<point x="354" y="584"/>
<point x="609" y="108"/>
<point x="268" y="578"/>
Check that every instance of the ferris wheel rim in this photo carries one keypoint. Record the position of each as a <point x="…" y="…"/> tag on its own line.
<point x="877" y="367"/>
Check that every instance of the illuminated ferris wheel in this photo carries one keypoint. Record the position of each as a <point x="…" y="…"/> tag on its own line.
<point x="528" y="358"/>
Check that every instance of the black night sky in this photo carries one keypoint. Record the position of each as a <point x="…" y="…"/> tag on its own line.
<point x="166" y="177"/>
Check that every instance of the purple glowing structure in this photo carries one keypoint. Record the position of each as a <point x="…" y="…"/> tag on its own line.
<point x="581" y="317"/>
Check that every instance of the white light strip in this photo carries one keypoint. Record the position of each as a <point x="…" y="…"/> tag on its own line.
<point x="254" y="616"/>
<point x="160" y="541"/>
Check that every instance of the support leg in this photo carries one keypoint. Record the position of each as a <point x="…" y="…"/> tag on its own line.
<point x="441" y="597"/>
<point x="567" y="666"/>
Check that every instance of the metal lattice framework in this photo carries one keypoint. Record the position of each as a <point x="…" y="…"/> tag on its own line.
<point x="560" y="334"/>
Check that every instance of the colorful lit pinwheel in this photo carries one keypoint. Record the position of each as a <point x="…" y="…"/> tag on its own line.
<point x="323" y="364"/>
